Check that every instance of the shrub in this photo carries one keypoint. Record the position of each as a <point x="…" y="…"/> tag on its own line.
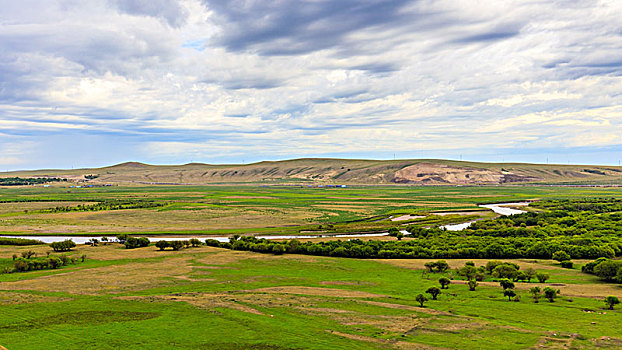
<point x="278" y="249"/>
<point x="542" y="277"/>
<point x="506" y="284"/>
<point x="212" y="242"/>
<point x="567" y="264"/>
<point x="607" y="269"/>
<point x="611" y="301"/>
<point x="510" y="293"/>
<point x="133" y="242"/>
<point x="195" y="242"/>
<point x="176" y="245"/>
<point x="536" y="292"/>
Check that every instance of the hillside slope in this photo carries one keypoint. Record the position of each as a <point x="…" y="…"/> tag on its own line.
<point x="343" y="171"/>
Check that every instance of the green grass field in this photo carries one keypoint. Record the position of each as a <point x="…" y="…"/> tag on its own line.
<point x="218" y="299"/>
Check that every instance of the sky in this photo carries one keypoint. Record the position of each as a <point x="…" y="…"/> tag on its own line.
<point x="87" y="83"/>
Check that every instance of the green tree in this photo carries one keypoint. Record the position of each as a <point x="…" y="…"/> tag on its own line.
<point x="611" y="301"/>
<point x="510" y="293"/>
<point x="472" y="285"/>
<point x="420" y="298"/>
<point x="607" y="269"/>
<point x="468" y="271"/>
<point x="561" y="255"/>
<point x="442" y="266"/>
<point x="195" y="242"/>
<point x="531" y="273"/>
<point x="278" y="249"/>
<point x="542" y="277"/>
<point x="434" y="292"/>
<point x="176" y="245"/>
<point x="161" y="244"/>
<point x="536" y="292"/>
<point x="506" y="284"/>
<point x="550" y="293"/>
<point x="444" y="281"/>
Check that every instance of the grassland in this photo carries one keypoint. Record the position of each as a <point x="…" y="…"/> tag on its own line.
<point x="256" y="209"/>
<point x="218" y="299"/>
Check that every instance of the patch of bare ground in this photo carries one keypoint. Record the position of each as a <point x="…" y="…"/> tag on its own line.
<point x="326" y="292"/>
<point x="405" y="307"/>
<point x="607" y="343"/>
<point x="347" y="283"/>
<point x="393" y="343"/>
<point x="407" y="217"/>
<point x="555" y="340"/>
<point x="107" y="279"/>
<point x="12" y="298"/>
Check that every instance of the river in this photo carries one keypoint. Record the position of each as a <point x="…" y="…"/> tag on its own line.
<point x="500" y="208"/>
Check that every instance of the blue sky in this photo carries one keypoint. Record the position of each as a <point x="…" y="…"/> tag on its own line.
<point x="92" y="83"/>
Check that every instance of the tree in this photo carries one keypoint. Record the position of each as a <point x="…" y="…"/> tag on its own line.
<point x="442" y="265"/>
<point x="195" y="242"/>
<point x="399" y="236"/>
<point x="531" y="273"/>
<point x="607" y="269"/>
<point x="63" y="246"/>
<point x="550" y="293"/>
<point x="444" y="281"/>
<point x="468" y="271"/>
<point x="506" y="284"/>
<point x="434" y="292"/>
<point x="611" y="301"/>
<point x="278" y="249"/>
<point x="420" y="298"/>
<point x="122" y="238"/>
<point x="509" y="293"/>
<point x="542" y="277"/>
<point x="561" y="255"/>
<point x="161" y="244"/>
<point x="472" y="285"/>
<point x="430" y="266"/>
<point x="505" y="271"/>
<point x="176" y="245"/>
<point x="536" y="292"/>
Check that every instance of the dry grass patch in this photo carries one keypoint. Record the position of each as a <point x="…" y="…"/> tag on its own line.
<point x="12" y="298"/>
<point x="325" y="292"/>
<point x="107" y="279"/>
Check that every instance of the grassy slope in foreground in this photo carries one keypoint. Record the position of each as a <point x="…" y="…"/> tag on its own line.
<point x="348" y="171"/>
<point x="210" y="298"/>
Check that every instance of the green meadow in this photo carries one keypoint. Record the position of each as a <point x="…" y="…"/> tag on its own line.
<point x="211" y="298"/>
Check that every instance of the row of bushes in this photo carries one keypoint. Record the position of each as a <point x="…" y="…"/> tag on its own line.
<point x="607" y="269"/>
<point x="19" y="241"/>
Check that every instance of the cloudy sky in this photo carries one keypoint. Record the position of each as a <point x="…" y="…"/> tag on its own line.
<point x="95" y="82"/>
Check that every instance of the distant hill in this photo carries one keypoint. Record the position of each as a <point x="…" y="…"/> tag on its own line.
<point x="342" y="171"/>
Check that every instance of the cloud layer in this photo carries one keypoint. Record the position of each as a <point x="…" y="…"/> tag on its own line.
<point x="87" y="83"/>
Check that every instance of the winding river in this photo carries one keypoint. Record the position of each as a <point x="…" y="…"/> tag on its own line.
<point x="499" y="208"/>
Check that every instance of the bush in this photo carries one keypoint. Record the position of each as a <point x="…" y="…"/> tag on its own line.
<point x="212" y="242"/>
<point x="444" y="281"/>
<point x="176" y="245"/>
<point x="542" y="277"/>
<point x="567" y="264"/>
<point x="607" y="269"/>
<point x="195" y="242"/>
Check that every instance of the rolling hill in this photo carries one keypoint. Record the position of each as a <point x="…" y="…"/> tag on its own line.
<point x="342" y="171"/>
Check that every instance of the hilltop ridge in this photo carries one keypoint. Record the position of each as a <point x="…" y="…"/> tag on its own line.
<point x="346" y="171"/>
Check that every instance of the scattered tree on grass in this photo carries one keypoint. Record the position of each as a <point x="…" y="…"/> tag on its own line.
<point x="472" y="285"/>
<point x="506" y="284"/>
<point x="195" y="242"/>
<point x="536" y="292"/>
<point x="420" y="298"/>
<point x="510" y="293"/>
<point x="444" y="281"/>
<point x="176" y="245"/>
<point x="550" y="293"/>
<point x="161" y="244"/>
<point x="611" y="301"/>
<point x="437" y="266"/>
<point x="434" y="292"/>
<point x="542" y="277"/>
